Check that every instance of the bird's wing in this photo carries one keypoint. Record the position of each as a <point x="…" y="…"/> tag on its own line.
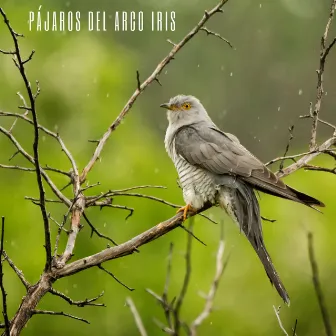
<point x="221" y="154"/>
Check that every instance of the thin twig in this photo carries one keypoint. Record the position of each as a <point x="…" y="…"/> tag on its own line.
<point x="166" y="287"/>
<point x="83" y="303"/>
<point x="92" y="200"/>
<point x="193" y="235"/>
<point x="136" y="316"/>
<point x="20" y="149"/>
<point x="50" y="312"/>
<point x="114" y="277"/>
<point x="277" y="314"/>
<point x="322" y="169"/>
<point x="16" y="270"/>
<point x="46" y="131"/>
<point x="183" y="292"/>
<point x="145" y="84"/>
<point x="20" y="63"/>
<point x="287" y="147"/>
<point x="210" y="32"/>
<point x="94" y="230"/>
<point x="324" y="51"/>
<point x="317" y="287"/>
<point x="126" y="248"/>
<point x="2" y="286"/>
<point x="220" y="267"/>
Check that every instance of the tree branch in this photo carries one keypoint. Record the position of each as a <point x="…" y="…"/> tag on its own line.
<point x="136" y="316"/>
<point x="220" y="267"/>
<point x="83" y="303"/>
<point x="317" y="287"/>
<point x="146" y="83"/>
<point x="324" y="51"/>
<point x="124" y="249"/>
<point x="20" y="63"/>
<point x="2" y="286"/>
<point x="50" y="312"/>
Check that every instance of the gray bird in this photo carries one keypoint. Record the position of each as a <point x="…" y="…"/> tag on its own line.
<point x="213" y="167"/>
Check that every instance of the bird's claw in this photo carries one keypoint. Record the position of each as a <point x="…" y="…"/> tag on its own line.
<point x="185" y="211"/>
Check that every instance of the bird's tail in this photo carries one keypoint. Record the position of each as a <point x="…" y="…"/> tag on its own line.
<point x="241" y="203"/>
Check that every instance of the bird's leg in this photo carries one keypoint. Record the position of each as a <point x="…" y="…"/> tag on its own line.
<point x="185" y="210"/>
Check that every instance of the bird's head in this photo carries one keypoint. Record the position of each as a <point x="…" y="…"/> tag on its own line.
<point x="185" y="110"/>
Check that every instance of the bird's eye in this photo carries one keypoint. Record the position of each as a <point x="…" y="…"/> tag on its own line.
<point x="186" y="106"/>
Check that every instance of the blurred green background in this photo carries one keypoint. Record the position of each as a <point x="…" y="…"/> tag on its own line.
<point x="256" y="92"/>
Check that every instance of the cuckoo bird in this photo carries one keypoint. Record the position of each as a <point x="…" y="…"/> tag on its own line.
<point x="213" y="167"/>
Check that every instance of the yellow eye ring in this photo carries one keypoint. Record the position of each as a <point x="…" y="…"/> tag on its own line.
<point x="186" y="106"/>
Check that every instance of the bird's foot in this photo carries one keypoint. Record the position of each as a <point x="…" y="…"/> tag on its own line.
<point x="185" y="210"/>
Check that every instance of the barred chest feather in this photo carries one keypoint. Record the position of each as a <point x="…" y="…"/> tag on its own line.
<point x="197" y="184"/>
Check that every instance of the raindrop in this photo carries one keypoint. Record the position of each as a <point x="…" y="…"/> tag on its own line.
<point x="279" y="108"/>
<point x="156" y="170"/>
<point x="74" y="286"/>
<point x="67" y="4"/>
<point x="231" y="74"/>
<point x="260" y="5"/>
<point x="300" y="92"/>
<point x="104" y="225"/>
<point x="198" y="65"/>
<point x="107" y="95"/>
<point x="88" y="95"/>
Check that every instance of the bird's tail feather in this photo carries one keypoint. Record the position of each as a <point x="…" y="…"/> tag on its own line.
<point x="244" y="208"/>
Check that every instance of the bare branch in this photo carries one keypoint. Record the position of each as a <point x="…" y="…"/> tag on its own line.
<point x="324" y="51"/>
<point x="115" y="278"/>
<point x="145" y="84"/>
<point x="53" y="187"/>
<point x="322" y="169"/>
<point x="317" y="286"/>
<point x="20" y="63"/>
<point x="183" y="292"/>
<point x="94" y="230"/>
<point x="77" y="209"/>
<point x="16" y="270"/>
<point x="124" y="249"/>
<point x="220" y="267"/>
<point x="307" y="158"/>
<point x="277" y="314"/>
<point x="50" y="312"/>
<point x="2" y="286"/>
<point x="83" y="303"/>
<point x="209" y="32"/>
<point x="287" y="147"/>
<point x="136" y="316"/>
<point x="165" y="305"/>
<point x="46" y="131"/>
<point x="193" y="235"/>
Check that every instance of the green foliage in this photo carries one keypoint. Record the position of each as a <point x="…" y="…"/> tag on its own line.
<point x="85" y="79"/>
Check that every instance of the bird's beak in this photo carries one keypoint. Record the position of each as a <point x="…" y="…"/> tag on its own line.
<point x="166" y="106"/>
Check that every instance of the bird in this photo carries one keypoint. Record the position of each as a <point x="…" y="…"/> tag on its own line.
<point x="215" y="168"/>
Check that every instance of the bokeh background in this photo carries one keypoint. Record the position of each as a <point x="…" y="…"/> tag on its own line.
<point x="255" y="91"/>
